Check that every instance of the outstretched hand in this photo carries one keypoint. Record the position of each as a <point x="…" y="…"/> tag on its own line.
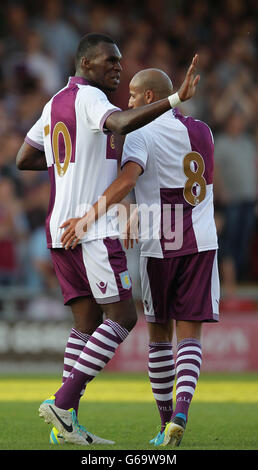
<point x="69" y="238"/>
<point x="131" y="232"/>
<point x="188" y="87"/>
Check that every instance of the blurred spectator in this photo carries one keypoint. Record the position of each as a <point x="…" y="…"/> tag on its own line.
<point x="235" y="159"/>
<point x="105" y="18"/>
<point x="77" y="15"/>
<point x="40" y="272"/>
<point x="35" y="197"/>
<point x="29" y="105"/>
<point x="16" y="22"/>
<point x="13" y="231"/>
<point x="59" y="37"/>
<point x="162" y="56"/>
<point x="10" y="142"/>
<point x="236" y="81"/>
<point x="40" y="65"/>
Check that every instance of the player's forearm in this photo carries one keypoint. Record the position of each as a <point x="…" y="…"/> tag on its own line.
<point x="114" y="194"/>
<point x="30" y="158"/>
<point x="123" y="122"/>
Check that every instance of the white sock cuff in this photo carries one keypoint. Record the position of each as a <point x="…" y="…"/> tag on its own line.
<point x="160" y="344"/>
<point x="187" y="341"/>
<point x="82" y="336"/>
<point x="118" y="329"/>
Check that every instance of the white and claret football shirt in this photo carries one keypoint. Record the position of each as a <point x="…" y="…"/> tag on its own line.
<point x="174" y="193"/>
<point x="81" y="157"/>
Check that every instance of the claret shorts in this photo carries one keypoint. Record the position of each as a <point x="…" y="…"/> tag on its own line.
<point x="96" y="268"/>
<point x="182" y="288"/>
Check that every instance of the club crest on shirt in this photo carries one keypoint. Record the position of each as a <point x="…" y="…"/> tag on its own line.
<point x="112" y="141"/>
<point x="125" y="280"/>
<point x="111" y="148"/>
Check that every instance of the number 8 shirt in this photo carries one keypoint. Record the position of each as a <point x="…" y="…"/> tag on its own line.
<point x="81" y="157"/>
<point x="174" y="193"/>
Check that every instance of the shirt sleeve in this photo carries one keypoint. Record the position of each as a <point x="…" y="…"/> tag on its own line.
<point x="135" y="149"/>
<point x="35" y="136"/>
<point x="96" y="107"/>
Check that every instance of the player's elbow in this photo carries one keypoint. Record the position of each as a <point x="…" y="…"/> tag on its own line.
<point x="120" y="128"/>
<point x="20" y="161"/>
<point x="118" y="123"/>
<point x="129" y="176"/>
<point x="22" y="157"/>
<point x="129" y="184"/>
<point x="124" y="129"/>
<point x="30" y="158"/>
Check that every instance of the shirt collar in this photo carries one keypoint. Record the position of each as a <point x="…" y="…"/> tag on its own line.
<point x="79" y="80"/>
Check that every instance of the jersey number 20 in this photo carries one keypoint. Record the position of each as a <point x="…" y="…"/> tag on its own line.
<point x="60" y="127"/>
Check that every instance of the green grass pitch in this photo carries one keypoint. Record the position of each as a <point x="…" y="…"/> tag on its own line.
<point x="223" y="414"/>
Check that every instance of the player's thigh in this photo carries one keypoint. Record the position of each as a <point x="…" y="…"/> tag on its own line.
<point x="109" y="279"/>
<point x="71" y="273"/>
<point x="106" y="267"/>
<point x="196" y="298"/>
<point x="156" y="280"/>
<point x="95" y="274"/>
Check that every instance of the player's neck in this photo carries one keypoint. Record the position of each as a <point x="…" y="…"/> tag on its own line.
<point x="81" y="74"/>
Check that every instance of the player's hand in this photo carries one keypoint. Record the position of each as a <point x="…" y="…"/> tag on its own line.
<point x="69" y="239"/>
<point x="188" y="87"/>
<point x="131" y="231"/>
<point x="129" y="242"/>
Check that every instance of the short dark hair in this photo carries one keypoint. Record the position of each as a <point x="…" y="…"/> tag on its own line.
<point x="88" y="42"/>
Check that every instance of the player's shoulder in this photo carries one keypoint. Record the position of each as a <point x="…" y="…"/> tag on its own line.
<point x="204" y="127"/>
<point x="90" y="91"/>
<point x="139" y="135"/>
<point x="194" y="124"/>
<point x="47" y="108"/>
<point x="188" y="119"/>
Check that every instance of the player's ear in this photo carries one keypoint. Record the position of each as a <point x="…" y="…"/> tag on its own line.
<point x="85" y="63"/>
<point x="149" y="96"/>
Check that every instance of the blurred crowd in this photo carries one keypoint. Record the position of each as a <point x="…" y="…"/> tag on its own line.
<point x="37" y="45"/>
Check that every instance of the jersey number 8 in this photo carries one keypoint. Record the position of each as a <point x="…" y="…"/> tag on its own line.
<point x="195" y="185"/>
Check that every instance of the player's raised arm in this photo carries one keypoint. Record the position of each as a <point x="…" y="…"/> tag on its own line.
<point x="188" y="87"/>
<point x="130" y="120"/>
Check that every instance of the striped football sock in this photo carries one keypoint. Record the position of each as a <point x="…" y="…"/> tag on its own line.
<point x="75" y="345"/>
<point x="100" y="348"/>
<point x="188" y="364"/>
<point x="161" y="369"/>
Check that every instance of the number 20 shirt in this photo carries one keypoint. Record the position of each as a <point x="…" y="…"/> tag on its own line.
<point x="174" y="193"/>
<point x="80" y="157"/>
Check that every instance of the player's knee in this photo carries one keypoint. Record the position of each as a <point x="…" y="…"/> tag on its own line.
<point x="128" y="316"/>
<point x="131" y="320"/>
<point x="123" y="313"/>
